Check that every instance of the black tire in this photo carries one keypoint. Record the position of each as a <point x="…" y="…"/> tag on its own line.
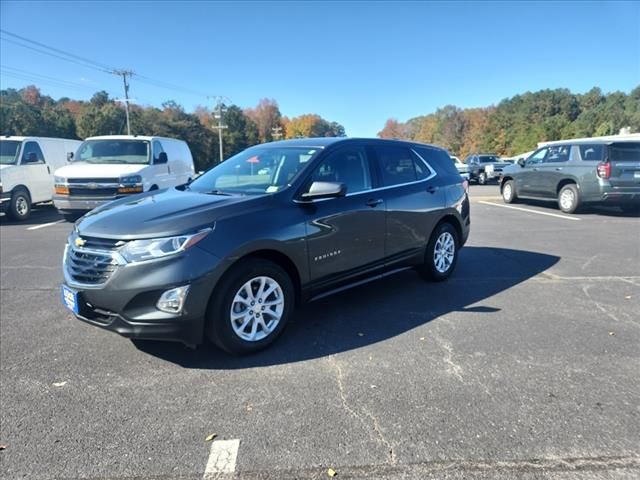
<point x="569" y="198"/>
<point x="219" y="325"/>
<point x="429" y="270"/>
<point x="509" y="194"/>
<point x="482" y="178"/>
<point x="20" y="205"/>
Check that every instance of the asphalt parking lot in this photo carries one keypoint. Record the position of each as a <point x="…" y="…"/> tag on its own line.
<point x="525" y="364"/>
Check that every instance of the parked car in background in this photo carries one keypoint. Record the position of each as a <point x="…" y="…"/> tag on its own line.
<point x="231" y="254"/>
<point x="579" y="172"/>
<point x="114" y="166"/>
<point x="26" y="171"/>
<point x="484" y="167"/>
<point x="462" y="168"/>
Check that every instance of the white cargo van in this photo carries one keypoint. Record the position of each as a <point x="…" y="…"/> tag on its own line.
<point x="26" y="171"/>
<point x="109" y="167"/>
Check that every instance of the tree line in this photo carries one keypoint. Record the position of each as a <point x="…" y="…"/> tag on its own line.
<point x="28" y="112"/>
<point x="518" y="123"/>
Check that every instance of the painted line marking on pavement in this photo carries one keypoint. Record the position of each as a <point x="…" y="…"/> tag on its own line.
<point x="531" y="211"/>
<point x="44" y="225"/>
<point x="222" y="458"/>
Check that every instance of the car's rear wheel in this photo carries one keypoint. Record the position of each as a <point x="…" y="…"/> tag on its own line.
<point x="20" y="205"/>
<point x="251" y="307"/>
<point x="509" y="192"/>
<point x="442" y="253"/>
<point x="569" y="198"/>
<point x="482" y="178"/>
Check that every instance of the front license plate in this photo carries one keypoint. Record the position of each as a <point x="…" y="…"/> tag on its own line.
<point x="70" y="298"/>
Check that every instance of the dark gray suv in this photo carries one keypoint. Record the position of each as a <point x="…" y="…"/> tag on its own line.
<point x="231" y="254"/>
<point x="578" y="172"/>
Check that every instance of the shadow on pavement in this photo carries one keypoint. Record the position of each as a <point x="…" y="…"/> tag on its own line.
<point x="599" y="210"/>
<point x="375" y="312"/>
<point x="39" y="214"/>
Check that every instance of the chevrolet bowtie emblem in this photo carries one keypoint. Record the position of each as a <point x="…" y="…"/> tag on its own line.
<point x="79" y="242"/>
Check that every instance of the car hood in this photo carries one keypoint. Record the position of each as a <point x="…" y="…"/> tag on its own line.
<point x="97" y="170"/>
<point x="511" y="168"/>
<point x="162" y="213"/>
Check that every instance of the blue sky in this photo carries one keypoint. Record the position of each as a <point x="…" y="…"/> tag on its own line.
<point x="357" y="63"/>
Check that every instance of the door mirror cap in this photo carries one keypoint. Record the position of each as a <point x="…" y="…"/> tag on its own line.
<point x="162" y="158"/>
<point x="320" y="190"/>
<point x="521" y="162"/>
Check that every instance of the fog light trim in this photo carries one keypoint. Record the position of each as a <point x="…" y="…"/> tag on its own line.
<point x="172" y="301"/>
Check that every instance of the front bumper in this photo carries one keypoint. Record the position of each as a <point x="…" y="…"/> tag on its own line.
<point x="73" y="204"/>
<point x="126" y="303"/>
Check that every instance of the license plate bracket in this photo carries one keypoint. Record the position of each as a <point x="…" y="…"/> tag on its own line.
<point x="69" y="298"/>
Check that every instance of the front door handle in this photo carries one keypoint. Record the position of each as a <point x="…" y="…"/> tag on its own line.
<point x="535" y="169"/>
<point x="374" y="202"/>
<point x="558" y="169"/>
<point x="48" y="169"/>
<point x="432" y="189"/>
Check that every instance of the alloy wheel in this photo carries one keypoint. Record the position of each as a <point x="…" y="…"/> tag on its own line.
<point x="257" y="308"/>
<point x="444" y="252"/>
<point x="567" y="199"/>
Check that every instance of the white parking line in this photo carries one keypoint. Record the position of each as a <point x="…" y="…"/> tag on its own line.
<point x="531" y="211"/>
<point x="44" y="225"/>
<point x="222" y="458"/>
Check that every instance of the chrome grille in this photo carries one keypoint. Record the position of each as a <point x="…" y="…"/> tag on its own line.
<point x="89" y="267"/>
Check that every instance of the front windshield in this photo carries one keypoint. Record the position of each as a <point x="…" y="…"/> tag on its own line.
<point x="488" y="159"/>
<point x="113" y="151"/>
<point x="261" y="169"/>
<point x="9" y="151"/>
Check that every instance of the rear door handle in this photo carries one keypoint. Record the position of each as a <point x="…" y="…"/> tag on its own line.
<point x="535" y="169"/>
<point x="432" y="189"/>
<point x="558" y="169"/>
<point x="374" y="202"/>
<point x="48" y="169"/>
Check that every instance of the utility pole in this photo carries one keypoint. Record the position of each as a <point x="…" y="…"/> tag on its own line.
<point x="217" y="114"/>
<point x="125" y="74"/>
<point x="276" y="133"/>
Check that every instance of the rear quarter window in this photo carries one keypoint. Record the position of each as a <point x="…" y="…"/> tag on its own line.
<point x="590" y="153"/>
<point x="439" y="160"/>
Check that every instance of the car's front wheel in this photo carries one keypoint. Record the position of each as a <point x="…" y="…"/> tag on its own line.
<point x="509" y="192"/>
<point x="442" y="253"/>
<point x="20" y="205"/>
<point x="251" y="306"/>
<point x="482" y="178"/>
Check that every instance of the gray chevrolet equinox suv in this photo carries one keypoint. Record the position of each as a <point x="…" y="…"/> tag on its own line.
<point x="230" y="255"/>
<point x="577" y="173"/>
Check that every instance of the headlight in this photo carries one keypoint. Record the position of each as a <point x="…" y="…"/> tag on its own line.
<point x="131" y="179"/>
<point x="141" y="250"/>
<point x="59" y="180"/>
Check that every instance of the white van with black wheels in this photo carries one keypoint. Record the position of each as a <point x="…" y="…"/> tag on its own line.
<point x="26" y="171"/>
<point x="109" y="167"/>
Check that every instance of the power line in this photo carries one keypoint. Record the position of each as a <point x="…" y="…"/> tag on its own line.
<point x="97" y="65"/>
<point x="39" y="77"/>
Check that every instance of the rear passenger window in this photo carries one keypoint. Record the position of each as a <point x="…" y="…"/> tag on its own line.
<point x="398" y="165"/>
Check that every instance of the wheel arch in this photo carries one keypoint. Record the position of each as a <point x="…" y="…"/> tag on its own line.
<point x="566" y="181"/>
<point x="504" y="180"/>
<point x="454" y="221"/>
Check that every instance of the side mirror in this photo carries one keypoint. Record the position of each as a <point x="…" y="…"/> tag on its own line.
<point x="521" y="162"/>
<point x="320" y="190"/>
<point x="162" y="158"/>
<point x="69" y="156"/>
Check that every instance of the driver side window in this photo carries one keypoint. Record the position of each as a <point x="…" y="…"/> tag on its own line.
<point x="538" y="157"/>
<point x="32" y="151"/>
<point x="349" y="166"/>
<point x="157" y="150"/>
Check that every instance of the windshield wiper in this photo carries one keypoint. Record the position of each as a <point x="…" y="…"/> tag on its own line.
<point x="218" y="192"/>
